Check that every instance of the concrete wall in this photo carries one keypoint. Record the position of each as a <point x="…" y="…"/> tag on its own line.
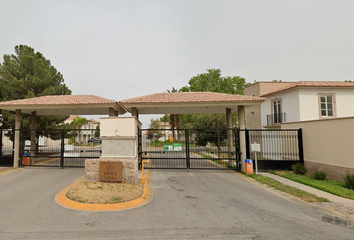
<point x="328" y="145"/>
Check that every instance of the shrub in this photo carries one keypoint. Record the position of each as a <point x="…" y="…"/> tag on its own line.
<point x="349" y="181"/>
<point x="299" y="168"/>
<point x="320" y="175"/>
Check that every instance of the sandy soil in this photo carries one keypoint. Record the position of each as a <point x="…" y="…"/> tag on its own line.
<point x="104" y="193"/>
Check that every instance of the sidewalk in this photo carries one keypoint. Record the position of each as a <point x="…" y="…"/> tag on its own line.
<point x="342" y="205"/>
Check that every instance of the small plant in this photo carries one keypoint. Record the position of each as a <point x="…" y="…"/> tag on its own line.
<point x="299" y="168"/>
<point x="349" y="181"/>
<point x="320" y="175"/>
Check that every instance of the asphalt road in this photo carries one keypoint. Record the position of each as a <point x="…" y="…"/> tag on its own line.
<point x="194" y="204"/>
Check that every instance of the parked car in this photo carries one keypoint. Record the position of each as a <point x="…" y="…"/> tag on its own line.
<point x="95" y="140"/>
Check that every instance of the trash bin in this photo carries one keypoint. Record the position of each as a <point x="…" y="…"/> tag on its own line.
<point x="249" y="166"/>
<point x="26" y="159"/>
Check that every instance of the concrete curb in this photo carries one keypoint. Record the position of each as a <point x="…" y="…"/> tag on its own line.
<point x="63" y="201"/>
<point x="9" y="170"/>
<point x="329" y="215"/>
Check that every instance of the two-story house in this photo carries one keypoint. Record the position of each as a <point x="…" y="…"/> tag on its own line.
<point x="299" y="101"/>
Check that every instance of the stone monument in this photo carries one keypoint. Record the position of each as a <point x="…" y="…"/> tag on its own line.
<point x="119" y="144"/>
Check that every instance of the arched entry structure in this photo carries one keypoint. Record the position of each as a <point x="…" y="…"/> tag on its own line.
<point x="195" y="102"/>
<point x="57" y="105"/>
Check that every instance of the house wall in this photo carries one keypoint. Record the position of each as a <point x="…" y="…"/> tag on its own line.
<point x="328" y="145"/>
<point x="289" y="106"/>
<point x="309" y="103"/>
<point x="253" y="114"/>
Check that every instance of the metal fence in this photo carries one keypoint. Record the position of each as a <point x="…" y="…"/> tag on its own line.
<point x="58" y="147"/>
<point x="189" y="148"/>
<point x="279" y="149"/>
<point x="6" y="147"/>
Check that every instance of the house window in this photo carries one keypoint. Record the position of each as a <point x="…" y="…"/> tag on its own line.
<point x="327" y="105"/>
<point x="277" y="111"/>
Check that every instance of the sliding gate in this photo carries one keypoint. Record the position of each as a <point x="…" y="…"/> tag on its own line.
<point x="189" y="148"/>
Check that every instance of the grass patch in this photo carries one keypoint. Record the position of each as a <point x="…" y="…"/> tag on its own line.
<point x="330" y="186"/>
<point x="308" y="197"/>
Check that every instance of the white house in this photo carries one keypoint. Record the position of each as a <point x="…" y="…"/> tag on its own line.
<point x="299" y="101"/>
<point x="88" y="130"/>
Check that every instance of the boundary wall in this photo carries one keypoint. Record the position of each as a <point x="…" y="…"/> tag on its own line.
<point x="328" y="145"/>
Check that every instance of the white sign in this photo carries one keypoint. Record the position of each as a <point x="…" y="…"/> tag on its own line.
<point x="255" y="147"/>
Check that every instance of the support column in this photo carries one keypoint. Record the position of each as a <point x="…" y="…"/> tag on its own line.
<point x="242" y="139"/>
<point x="135" y="112"/>
<point x="17" y="137"/>
<point x="111" y="112"/>
<point x="229" y="135"/>
<point x="33" y="135"/>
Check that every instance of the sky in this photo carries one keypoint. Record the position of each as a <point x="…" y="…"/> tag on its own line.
<point x="122" y="49"/>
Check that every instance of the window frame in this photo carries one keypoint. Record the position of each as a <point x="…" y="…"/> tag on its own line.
<point x="334" y="107"/>
<point x="281" y="109"/>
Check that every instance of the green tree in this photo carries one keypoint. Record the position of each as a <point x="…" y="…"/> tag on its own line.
<point x="97" y="132"/>
<point x="212" y="81"/>
<point x="28" y="74"/>
<point x="78" y="123"/>
<point x="153" y="132"/>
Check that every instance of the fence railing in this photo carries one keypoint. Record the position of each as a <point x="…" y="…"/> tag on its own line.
<point x="280" y="147"/>
<point x="274" y="119"/>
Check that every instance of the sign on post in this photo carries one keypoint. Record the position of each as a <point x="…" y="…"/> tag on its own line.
<point x="255" y="147"/>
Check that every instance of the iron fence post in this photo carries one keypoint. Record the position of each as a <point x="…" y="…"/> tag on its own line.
<point x="187" y="148"/>
<point x="301" y="147"/>
<point x="247" y="139"/>
<point x="0" y="144"/>
<point x="139" y="149"/>
<point x="62" y="148"/>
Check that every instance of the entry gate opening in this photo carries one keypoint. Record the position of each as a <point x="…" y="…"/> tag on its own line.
<point x="59" y="147"/>
<point x="189" y="148"/>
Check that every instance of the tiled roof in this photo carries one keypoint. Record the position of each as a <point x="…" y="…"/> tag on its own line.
<point x="191" y="97"/>
<point x="311" y="84"/>
<point x="72" y="117"/>
<point x="60" y="100"/>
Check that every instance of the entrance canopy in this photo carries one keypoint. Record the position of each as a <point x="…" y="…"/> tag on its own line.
<point x="189" y="102"/>
<point x="65" y="105"/>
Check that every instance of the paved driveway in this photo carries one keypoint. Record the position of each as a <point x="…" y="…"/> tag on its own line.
<point x="186" y="205"/>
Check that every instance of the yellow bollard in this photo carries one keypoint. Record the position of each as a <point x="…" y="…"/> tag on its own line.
<point x="142" y="170"/>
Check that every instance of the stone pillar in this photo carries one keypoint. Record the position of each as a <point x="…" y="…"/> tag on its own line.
<point x="229" y="134"/>
<point x="242" y="139"/>
<point x="17" y="137"/>
<point x="33" y="135"/>
<point x="119" y="144"/>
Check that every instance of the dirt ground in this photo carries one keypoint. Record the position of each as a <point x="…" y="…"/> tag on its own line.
<point x="104" y="193"/>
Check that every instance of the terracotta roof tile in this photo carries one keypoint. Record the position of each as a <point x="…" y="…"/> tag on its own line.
<point x="313" y="84"/>
<point x="60" y="100"/>
<point x="191" y="97"/>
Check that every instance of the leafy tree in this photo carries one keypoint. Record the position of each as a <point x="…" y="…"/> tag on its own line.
<point x="97" y="132"/>
<point x="28" y="74"/>
<point x="206" y="125"/>
<point x="212" y="81"/>
<point x="78" y="123"/>
<point x="153" y="131"/>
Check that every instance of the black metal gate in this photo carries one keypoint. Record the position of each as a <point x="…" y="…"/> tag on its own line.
<point x="6" y="147"/>
<point x="280" y="148"/>
<point x="189" y="148"/>
<point x="58" y="147"/>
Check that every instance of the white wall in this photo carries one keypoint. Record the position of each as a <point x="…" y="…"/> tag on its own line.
<point x="309" y="105"/>
<point x="290" y="106"/>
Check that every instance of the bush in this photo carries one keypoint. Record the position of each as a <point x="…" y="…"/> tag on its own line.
<point x="299" y="168"/>
<point x="349" y="181"/>
<point x="320" y="175"/>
